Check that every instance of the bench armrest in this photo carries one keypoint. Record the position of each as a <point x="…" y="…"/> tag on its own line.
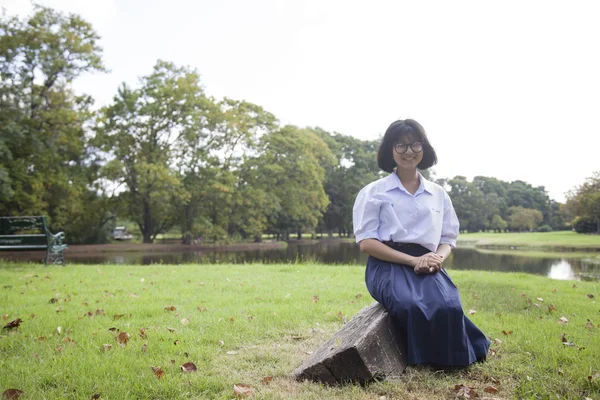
<point x="56" y="240"/>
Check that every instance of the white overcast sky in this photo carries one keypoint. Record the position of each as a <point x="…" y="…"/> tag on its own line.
<point x="508" y="89"/>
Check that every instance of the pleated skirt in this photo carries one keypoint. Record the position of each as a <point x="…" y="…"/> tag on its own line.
<point x="428" y="312"/>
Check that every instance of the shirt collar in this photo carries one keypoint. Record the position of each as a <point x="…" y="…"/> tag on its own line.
<point x="392" y="181"/>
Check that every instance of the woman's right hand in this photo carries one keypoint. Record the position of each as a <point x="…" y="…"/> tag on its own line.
<point x="428" y="263"/>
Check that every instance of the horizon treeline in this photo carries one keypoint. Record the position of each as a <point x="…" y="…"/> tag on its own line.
<point x="166" y="156"/>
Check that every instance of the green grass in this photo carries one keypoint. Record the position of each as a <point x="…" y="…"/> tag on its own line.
<point x="561" y="240"/>
<point x="266" y="316"/>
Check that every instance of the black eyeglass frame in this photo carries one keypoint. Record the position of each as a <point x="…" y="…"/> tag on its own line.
<point x="406" y="146"/>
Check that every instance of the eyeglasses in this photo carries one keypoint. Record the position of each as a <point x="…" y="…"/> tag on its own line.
<point x="401" y="148"/>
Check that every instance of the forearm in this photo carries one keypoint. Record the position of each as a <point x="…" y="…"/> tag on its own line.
<point x="444" y="250"/>
<point x="375" y="248"/>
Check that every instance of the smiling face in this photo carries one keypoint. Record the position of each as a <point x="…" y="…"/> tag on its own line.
<point x="410" y="159"/>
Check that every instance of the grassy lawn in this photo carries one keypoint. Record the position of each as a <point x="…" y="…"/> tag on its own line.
<point x="548" y="240"/>
<point x="242" y="323"/>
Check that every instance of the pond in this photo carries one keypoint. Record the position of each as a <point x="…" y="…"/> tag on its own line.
<point x="573" y="266"/>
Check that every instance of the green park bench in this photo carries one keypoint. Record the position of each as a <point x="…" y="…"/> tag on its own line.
<point x="31" y="233"/>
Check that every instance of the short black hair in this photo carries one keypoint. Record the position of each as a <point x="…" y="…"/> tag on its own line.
<point x="398" y="129"/>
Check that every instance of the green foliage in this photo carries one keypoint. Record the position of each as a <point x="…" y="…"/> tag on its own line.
<point x="292" y="164"/>
<point x="44" y="167"/>
<point x="584" y="202"/>
<point x="144" y="134"/>
<point x="487" y="202"/>
<point x="544" y="228"/>
<point x="521" y="219"/>
<point x="498" y="224"/>
<point x="355" y="166"/>
<point x="584" y="225"/>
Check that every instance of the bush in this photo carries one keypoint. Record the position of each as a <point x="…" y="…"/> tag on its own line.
<point x="544" y="228"/>
<point x="584" y="225"/>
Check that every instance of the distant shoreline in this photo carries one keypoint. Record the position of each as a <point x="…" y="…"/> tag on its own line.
<point x="558" y="241"/>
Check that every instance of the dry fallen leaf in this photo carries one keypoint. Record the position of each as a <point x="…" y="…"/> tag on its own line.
<point x="490" y="389"/>
<point x="267" y="379"/>
<point x="540" y="299"/>
<point x="555" y="290"/>
<point x="506" y="333"/>
<point x="170" y="329"/>
<point x="143" y="333"/>
<point x="170" y="308"/>
<point x="231" y="353"/>
<point x="122" y="338"/>
<point x="144" y="348"/>
<point x="95" y="396"/>
<point x="340" y="315"/>
<point x="471" y="312"/>
<point x="315" y="299"/>
<point x="13" y="325"/>
<point x="221" y="343"/>
<point x="590" y="296"/>
<point x="358" y="296"/>
<point x="118" y="316"/>
<point x="5" y="316"/>
<point x="589" y="324"/>
<point x="551" y="307"/>
<point x="158" y="372"/>
<point x="12" y="394"/>
<point x="201" y="308"/>
<point x="184" y="321"/>
<point x="497" y="341"/>
<point x="188" y="367"/>
<point x="465" y="392"/>
<point x="563" y="320"/>
<point x="106" y="347"/>
<point x="242" y="390"/>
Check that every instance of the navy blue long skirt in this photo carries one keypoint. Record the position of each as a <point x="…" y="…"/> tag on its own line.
<point x="428" y="311"/>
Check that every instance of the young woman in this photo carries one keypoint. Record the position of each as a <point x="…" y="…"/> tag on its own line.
<point x="407" y="226"/>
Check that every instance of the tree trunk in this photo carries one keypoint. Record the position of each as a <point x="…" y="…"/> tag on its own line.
<point x="299" y="233"/>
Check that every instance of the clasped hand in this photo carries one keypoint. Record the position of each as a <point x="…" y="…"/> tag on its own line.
<point x="429" y="263"/>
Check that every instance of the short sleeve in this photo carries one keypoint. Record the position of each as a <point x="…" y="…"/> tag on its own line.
<point x="365" y="217"/>
<point x="450" y="224"/>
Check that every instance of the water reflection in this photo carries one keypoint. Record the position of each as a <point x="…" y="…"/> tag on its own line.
<point x="561" y="270"/>
<point x="555" y="266"/>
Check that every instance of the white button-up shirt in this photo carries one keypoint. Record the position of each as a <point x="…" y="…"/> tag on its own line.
<point x="385" y="210"/>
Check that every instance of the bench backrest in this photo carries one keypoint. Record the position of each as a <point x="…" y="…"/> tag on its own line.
<point x="23" y="231"/>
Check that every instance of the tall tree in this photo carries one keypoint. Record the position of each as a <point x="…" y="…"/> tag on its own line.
<point x="584" y="202"/>
<point x="44" y="165"/>
<point x="145" y="134"/>
<point x="291" y="163"/>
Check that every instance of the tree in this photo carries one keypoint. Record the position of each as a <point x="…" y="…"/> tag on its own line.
<point x="146" y="134"/>
<point x="498" y="224"/>
<point x="355" y="166"/>
<point x="468" y="202"/>
<point x="44" y="165"/>
<point x="584" y="202"/>
<point x="523" y="219"/>
<point x="292" y="165"/>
